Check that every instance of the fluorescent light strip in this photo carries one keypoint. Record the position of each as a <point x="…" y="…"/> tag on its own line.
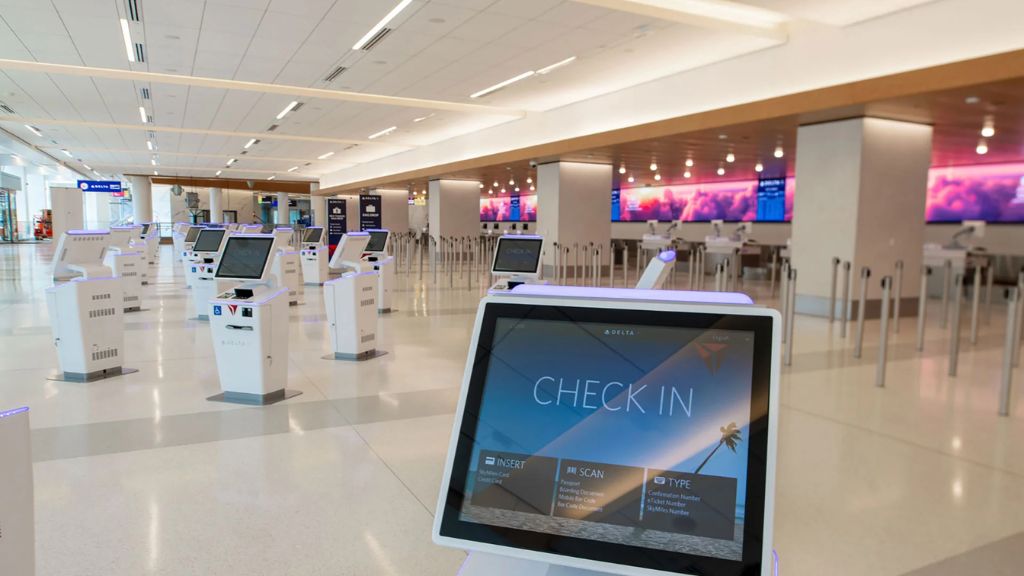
<point x="380" y="25"/>
<point x="556" y="65"/>
<point x="86" y="166"/>
<point x="293" y="168"/>
<point x="501" y="85"/>
<point x="34" y="129"/>
<point x="287" y="109"/>
<point x="249" y="144"/>
<point x="218" y="173"/>
<point x="271" y="177"/>
<point x="325" y="156"/>
<point x="232" y="161"/>
<point x="128" y="46"/>
<point x="66" y="153"/>
<point x="149" y="144"/>
<point x="383" y="132"/>
<point x="143" y="115"/>
<point x="152" y="161"/>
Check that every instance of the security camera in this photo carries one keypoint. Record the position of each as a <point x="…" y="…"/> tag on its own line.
<point x="533" y="163"/>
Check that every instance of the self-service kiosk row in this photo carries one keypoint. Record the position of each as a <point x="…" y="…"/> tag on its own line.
<point x="375" y="258"/>
<point x="314" y="257"/>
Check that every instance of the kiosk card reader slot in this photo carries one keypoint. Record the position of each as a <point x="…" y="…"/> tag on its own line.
<point x="351" y="301"/>
<point x="517" y="260"/>
<point x="250" y="325"/>
<point x="578" y="448"/>
<point x="376" y="254"/>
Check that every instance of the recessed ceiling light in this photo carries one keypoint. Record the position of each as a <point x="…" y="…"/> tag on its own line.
<point x="496" y="184"/>
<point x="325" y="156"/>
<point x="630" y="179"/>
<point x="730" y="157"/>
<point x="532" y="187"/>
<point x="383" y="132"/>
<point x="149" y="144"/>
<point x="622" y="169"/>
<point x="502" y="190"/>
<point x="272" y="177"/>
<point x="490" y="191"/>
<point x="972" y="100"/>
<point x="502" y="84"/>
<point x="250" y="143"/>
<point x="657" y="177"/>
<point x="556" y="65"/>
<point x="287" y="109"/>
<point x="129" y="47"/>
<point x="982" y="147"/>
<point x="34" y="129"/>
<point x="758" y="167"/>
<point x="380" y="25"/>
<point x="721" y="171"/>
<point x="293" y="168"/>
<point x="481" y="186"/>
<point x="687" y="174"/>
<point x="723" y="136"/>
<point x="511" y="181"/>
<point x="654" y="167"/>
<point x="517" y="188"/>
<point x="143" y="115"/>
<point x="778" y="152"/>
<point x="989" y="128"/>
<point x="529" y="180"/>
<point x="689" y="162"/>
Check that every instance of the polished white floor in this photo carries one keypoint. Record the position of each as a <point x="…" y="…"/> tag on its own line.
<point x="141" y="475"/>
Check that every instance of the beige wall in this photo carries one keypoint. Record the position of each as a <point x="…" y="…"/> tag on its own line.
<point x="453" y="207"/>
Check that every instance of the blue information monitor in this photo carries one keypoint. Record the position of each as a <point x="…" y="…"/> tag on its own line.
<point x="99" y="186"/>
<point x="771" y="200"/>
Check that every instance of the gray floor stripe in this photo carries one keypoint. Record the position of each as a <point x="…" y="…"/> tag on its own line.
<point x="1000" y="558"/>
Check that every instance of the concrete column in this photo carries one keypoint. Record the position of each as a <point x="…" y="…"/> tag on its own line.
<point x="216" y="205"/>
<point x="573" y="207"/>
<point x="142" y="199"/>
<point x="394" y="209"/>
<point x="282" y="209"/>
<point x="862" y="189"/>
<point x="317" y="205"/>
<point x="453" y="207"/>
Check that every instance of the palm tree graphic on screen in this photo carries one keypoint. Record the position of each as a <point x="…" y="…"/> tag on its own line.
<point x="731" y="436"/>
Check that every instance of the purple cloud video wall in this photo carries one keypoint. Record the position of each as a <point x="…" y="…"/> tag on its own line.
<point x="768" y="199"/>
<point x="991" y="192"/>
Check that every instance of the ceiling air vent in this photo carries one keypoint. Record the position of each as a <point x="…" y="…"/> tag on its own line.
<point x="298" y="106"/>
<point x="140" y="53"/>
<point x="335" y="73"/>
<point x="272" y="127"/>
<point x="149" y="119"/>
<point x="6" y="108"/>
<point x="376" y="39"/>
<point x="132" y="6"/>
<point x="145" y="93"/>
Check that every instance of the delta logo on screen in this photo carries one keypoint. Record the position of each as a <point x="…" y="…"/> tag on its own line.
<point x="712" y="354"/>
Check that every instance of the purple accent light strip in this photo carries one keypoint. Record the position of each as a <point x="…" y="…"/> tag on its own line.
<point x="690" y="296"/>
<point x="522" y="236"/>
<point x="357" y="233"/>
<point x="667" y="256"/>
<point x="14" y="412"/>
<point x="87" y="232"/>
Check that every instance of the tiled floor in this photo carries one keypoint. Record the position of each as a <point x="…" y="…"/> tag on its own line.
<point x="141" y="475"/>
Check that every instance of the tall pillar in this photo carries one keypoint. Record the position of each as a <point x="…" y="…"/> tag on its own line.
<point x="282" y="209"/>
<point x="216" y="205"/>
<point x="453" y="208"/>
<point x="573" y="209"/>
<point x="142" y="199"/>
<point x="317" y="206"/>
<point x="862" y="189"/>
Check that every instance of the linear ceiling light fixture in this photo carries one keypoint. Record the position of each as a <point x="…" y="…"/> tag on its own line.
<point x="502" y="84"/>
<point x="129" y="47"/>
<point x="231" y="161"/>
<point x="380" y="25"/>
<point x="271" y="178"/>
<point x="287" y="109"/>
<point x="383" y="132"/>
<point x="218" y="173"/>
<point x="34" y="129"/>
<point x="142" y="115"/>
<point x="325" y="156"/>
<point x="67" y="153"/>
<point x="250" y="143"/>
<point x="293" y="168"/>
<point x="556" y="65"/>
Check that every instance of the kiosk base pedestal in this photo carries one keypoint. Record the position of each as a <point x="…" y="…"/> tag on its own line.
<point x="480" y="564"/>
<point x="368" y="355"/>
<point x="254" y="399"/>
<point x="58" y="376"/>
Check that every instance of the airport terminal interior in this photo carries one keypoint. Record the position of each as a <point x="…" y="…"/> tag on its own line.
<point x="512" y="287"/>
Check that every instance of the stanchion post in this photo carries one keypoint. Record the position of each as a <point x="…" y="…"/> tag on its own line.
<point x="989" y="281"/>
<point x="865" y="273"/>
<point x="897" y="299"/>
<point x="954" y="333"/>
<point x="947" y="269"/>
<point x="832" y="291"/>
<point x="883" y="339"/>
<point x="784" y="297"/>
<point x="791" y="310"/>
<point x="922" y="306"/>
<point x="771" y="272"/>
<point x="975" y="304"/>
<point x="1020" y="320"/>
<point x="844" y="311"/>
<point x="1013" y="297"/>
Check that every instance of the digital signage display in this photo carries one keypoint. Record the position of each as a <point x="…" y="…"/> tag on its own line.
<point x="769" y="199"/>
<point x="514" y="208"/>
<point x="990" y="192"/>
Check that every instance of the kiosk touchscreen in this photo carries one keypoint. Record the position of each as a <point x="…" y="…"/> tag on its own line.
<point x="351" y="301"/>
<point x="517" y="260"/>
<point x="250" y="325"/>
<point x="376" y="253"/>
<point x="603" y="430"/>
<point x="203" y="258"/>
<point x="86" y="310"/>
<point x="313" y="257"/>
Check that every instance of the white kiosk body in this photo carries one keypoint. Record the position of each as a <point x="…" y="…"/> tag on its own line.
<point x="17" y="501"/>
<point x="249" y="324"/>
<point x="376" y="254"/>
<point x="178" y="234"/>
<point x="657" y="271"/>
<point x="151" y="241"/>
<point x="205" y="256"/>
<point x="614" y="431"/>
<point x="517" y="260"/>
<point x="351" y="301"/>
<point x="314" y="257"/>
<point x="86" y="308"/>
<point x="128" y="262"/>
<point x="185" y="256"/>
<point x="284" y="268"/>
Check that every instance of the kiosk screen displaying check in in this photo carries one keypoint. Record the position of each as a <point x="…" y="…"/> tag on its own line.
<point x="209" y="240"/>
<point x="517" y="255"/>
<point x="246" y="259"/>
<point x="312" y="235"/>
<point x="629" y="437"/>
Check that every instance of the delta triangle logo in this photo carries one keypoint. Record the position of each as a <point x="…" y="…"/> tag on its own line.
<point x="232" y="308"/>
<point x="711" y="353"/>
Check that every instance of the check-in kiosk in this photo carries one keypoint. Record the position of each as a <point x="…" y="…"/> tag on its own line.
<point x="150" y="235"/>
<point x="17" y="502"/>
<point x="578" y="448"/>
<point x="127" y="262"/>
<point x="657" y="271"/>
<point x="205" y="256"/>
<point x="314" y="257"/>
<point x="377" y="256"/>
<point x="178" y="234"/>
<point x="284" y="265"/>
<point x="249" y="323"/>
<point x="253" y="229"/>
<point x="188" y="243"/>
<point x="86" y="308"/>
<point x="517" y="260"/>
<point x="351" y="301"/>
